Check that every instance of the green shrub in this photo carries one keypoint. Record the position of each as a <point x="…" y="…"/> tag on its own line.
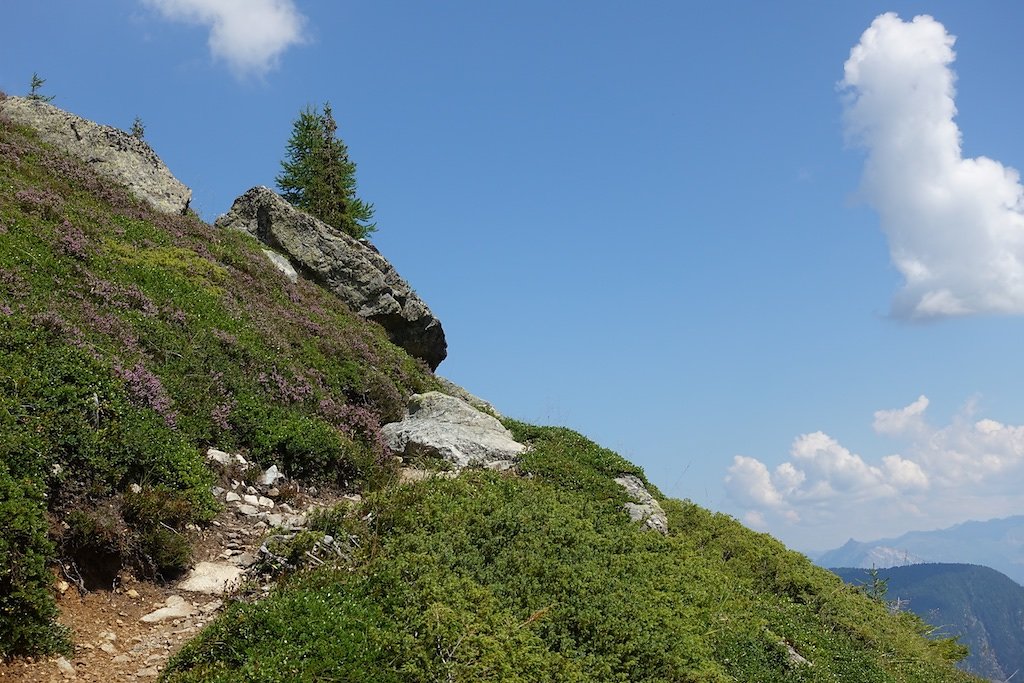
<point x="496" y="577"/>
<point x="27" y="608"/>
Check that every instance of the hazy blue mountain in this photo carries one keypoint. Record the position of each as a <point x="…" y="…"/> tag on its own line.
<point x="996" y="543"/>
<point x="981" y="606"/>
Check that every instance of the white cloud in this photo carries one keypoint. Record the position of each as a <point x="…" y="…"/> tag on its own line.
<point x="830" y="463"/>
<point x="902" y="420"/>
<point x="967" y="469"/>
<point x="748" y="482"/>
<point x="905" y="475"/>
<point x="250" y="35"/>
<point x="955" y="226"/>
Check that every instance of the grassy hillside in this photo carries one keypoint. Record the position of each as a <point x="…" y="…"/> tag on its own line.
<point x="978" y="605"/>
<point x="132" y="341"/>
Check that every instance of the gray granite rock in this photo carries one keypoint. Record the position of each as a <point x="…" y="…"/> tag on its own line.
<point x="352" y="269"/>
<point x="112" y="152"/>
<point x="645" y="509"/>
<point x="452" y="389"/>
<point x="446" y="427"/>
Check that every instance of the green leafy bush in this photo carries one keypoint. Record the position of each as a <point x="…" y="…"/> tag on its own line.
<point x="27" y="608"/>
<point x="498" y="577"/>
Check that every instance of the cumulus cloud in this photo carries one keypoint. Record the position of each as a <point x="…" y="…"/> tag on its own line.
<point x="902" y="420"/>
<point x="955" y="225"/>
<point x="966" y="469"/>
<point x="250" y="35"/>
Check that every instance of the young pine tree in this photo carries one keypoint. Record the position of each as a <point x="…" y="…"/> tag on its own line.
<point x="34" y="86"/>
<point x="318" y="177"/>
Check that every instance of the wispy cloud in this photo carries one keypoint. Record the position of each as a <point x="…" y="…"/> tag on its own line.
<point x="955" y="225"/>
<point x="250" y="35"/>
<point x="965" y="469"/>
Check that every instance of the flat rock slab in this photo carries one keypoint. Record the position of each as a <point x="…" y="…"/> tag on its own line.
<point x="212" y="578"/>
<point x="175" y="607"/>
<point x="445" y="427"/>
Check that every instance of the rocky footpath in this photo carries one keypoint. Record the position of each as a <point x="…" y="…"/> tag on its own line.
<point x="112" y="152"/>
<point x="129" y="632"/>
<point x="352" y="269"/>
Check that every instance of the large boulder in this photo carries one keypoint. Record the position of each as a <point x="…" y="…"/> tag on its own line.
<point x="353" y="269"/>
<point x="442" y="426"/>
<point x="452" y="389"/>
<point x="112" y="152"/>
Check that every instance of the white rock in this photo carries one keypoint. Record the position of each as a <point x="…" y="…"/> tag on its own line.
<point x="264" y="502"/>
<point x="646" y="509"/>
<point x="271" y="476"/>
<point x="212" y="578"/>
<point x="283" y="264"/>
<point x="232" y="497"/>
<point x="65" y="666"/>
<point x="218" y="456"/>
<point x="251" y="499"/>
<point x="447" y="427"/>
<point x="176" y="607"/>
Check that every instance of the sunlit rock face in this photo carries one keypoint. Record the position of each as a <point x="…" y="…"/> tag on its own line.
<point x="110" y="151"/>
<point x="352" y="269"/>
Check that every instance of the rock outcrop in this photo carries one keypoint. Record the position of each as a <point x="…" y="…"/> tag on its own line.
<point x="442" y="426"/>
<point x="112" y="152"/>
<point x="352" y="269"/>
<point x="452" y="389"/>
<point x="645" y="509"/>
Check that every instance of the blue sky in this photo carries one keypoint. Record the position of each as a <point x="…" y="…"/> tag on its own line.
<point x="651" y="222"/>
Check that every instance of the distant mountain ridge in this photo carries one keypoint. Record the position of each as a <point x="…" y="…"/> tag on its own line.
<point x="982" y="607"/>
<point x="996" y="543"/>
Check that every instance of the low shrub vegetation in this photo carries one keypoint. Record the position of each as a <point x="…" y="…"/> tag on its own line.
<point x="543" y="577"/>
<point x="132" y="341"/>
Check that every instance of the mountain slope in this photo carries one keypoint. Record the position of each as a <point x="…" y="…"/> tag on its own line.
<point x="133" y="340"/>
<point x="996" y="543"/>
<point x="978" y="605"/>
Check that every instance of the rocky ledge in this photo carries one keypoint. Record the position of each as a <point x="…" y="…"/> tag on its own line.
<point x="112" y="152"/>
<point x="352" y="269"/>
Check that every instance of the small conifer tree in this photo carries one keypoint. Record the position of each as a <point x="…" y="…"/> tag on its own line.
<point x="35" y="85"/>
<point x="318" y="177"/>
<point x="138" y="129"/>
